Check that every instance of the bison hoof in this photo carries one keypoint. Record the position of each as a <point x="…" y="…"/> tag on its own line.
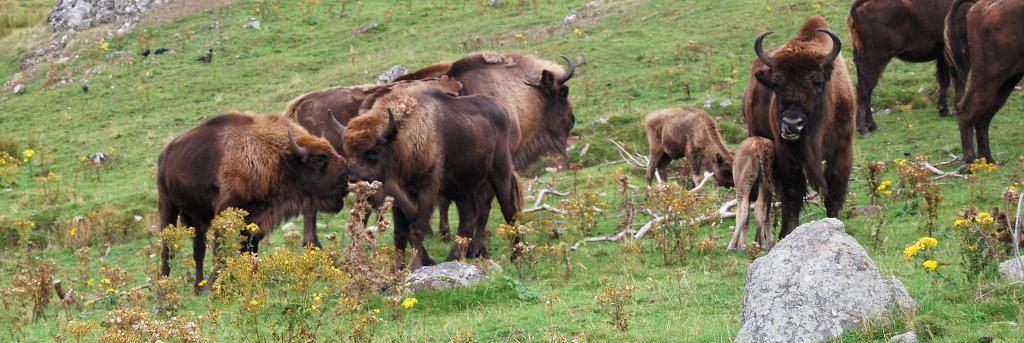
<point x="478" y="251"/>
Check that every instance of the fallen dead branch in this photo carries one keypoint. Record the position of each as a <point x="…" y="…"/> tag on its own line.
<point x="546" y="191"/>
<point x="953" y="158"/>
<point x="941" y="174"/>
<point x="120" y="294"/>
<point x="615" y="238"/>
<point x="707" y="175"/>
<point x="723" y="212"/>
<point x="635" y="160"/>
<point x="545" y="207"/>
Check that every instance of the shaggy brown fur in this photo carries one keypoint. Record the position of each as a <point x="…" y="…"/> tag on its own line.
<point x="676" y="133"/>
<point x="910" y="30"/>
<point x="247" y="162"/>
<point x="752" y="173"/>
<point x="421" y="142"/>
<point x="810" y="115"/>
<point x="313" y="110"/>
<point x="994" y="45"/>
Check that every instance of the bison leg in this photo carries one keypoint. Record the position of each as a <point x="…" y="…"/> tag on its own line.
<point x="659" y="164"/>
<point x="792" y="189"/>
<point x="870" y="66"/>
<point x="981" y="126"/>
<point x="739" y="235"/>
<point x="942" y="76"/>
<point x="168" y="215"/>
<point x="309" y="235"/>
<point x="763" y="213"/>
<point x="484" y="200"/>
<point x="198" y="251"/>
<point x="468" y="212"/>
<point x="978" y="103"/>
<point x="443" y="227"/>
<point x="418" y="228"/>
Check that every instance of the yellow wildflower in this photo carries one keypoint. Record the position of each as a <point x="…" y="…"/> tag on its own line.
<point x="202" y="283"/>
<point x="314" y="308"/>
<point x="254" y="302"/>
<point x="899" y="162"/>
<point x="106" y="281"/>
<point x="409" y="302"/>
<point x="71" y="232"/>
<point x="972" y="247"/>
<point x="520" y="36"/>
<point x="376" y="311"/>
<point x="28" y="153"/>
<point x="927" y="242"/>
<point x="931" y="265"/>
<point x="88" y="282"/>
<point x="577" y="31"/>
<point x="984" y="218"/>
<point x="111" y="290"/>
<point x="252" y="227"/>
<point x="961" y="223"/>
<point x="911" y="250"/>
<point x="105" y="46"/>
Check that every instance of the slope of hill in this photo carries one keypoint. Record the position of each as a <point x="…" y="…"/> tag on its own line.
<point x="635" y="56"/>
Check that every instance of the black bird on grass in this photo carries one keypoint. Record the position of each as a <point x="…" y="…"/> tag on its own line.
<point x="160" y="51"/>
<point x="145" y="53"/>
<point x="85" y="88"/>
<point x="207" y="57"/>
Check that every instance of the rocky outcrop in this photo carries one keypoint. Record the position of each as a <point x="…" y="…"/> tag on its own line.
<point x="445" y="275"/>
<point x="815" y="284"/>
<point x="81" y="15"/>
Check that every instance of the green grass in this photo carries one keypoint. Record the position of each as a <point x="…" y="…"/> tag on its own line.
<point x="639" y="56"/>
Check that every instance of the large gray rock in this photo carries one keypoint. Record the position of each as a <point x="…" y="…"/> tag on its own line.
<point x="1011" y="269"/>
<point x="909" y="337"/>
<point x="83" y="14"/>
<point x="445" y="275"/>
<point x="815" y="284"/>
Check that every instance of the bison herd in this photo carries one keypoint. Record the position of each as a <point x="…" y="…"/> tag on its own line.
<point x="458" y="131"/>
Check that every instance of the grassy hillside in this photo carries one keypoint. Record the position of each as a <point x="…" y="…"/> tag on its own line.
<point x="637" y="56"/>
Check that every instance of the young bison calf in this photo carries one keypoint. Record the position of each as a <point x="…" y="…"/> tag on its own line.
<point x="676" y="133"/>
<point x="752" y="174"/>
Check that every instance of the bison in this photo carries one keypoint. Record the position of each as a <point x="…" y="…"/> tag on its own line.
<point x="994" y="45"/>
<point x="806" y="104"/>
<point x="910" y="30"/>
<point x="423" y="141"/>
<point x="676" y="133"/>
<point x="753" y="171"/>
<point x="266" y="165"/>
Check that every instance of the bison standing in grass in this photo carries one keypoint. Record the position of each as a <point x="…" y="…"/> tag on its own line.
<point x="910" y="30"/>
<point x="994" y="46"/>
<point x="265" y="165"/>
<point x="807" y="107"/>
<point x="676" y="133"/>
<point x="422" y="141"/>
<point x="754" y="166"/>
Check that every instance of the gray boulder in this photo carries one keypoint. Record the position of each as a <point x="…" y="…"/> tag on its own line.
<point x="909" y="337"/>
<point x="83" y="14"/>
<point x="815" y="284"/>
<point x="445" y="275"/>
<point x="19" y="89"/>
<point x="392" y="74"/>
<point x="1011" y="269"/>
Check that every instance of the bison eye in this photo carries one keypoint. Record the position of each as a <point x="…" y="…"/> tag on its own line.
<point x="373" y="155"/>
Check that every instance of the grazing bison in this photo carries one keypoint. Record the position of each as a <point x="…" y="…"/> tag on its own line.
<point x="265" y="165"/>
<point x="994" y="46"/>
<point x="752" y="174"/>
<point x="810" y="115"/>
<point x="422" y="141"/>
<point x="911" y="30"/>
<point x="676" y="133"/>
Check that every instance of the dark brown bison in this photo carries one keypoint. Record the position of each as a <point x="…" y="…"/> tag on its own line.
<point x="318" y="111"/>
<point x="676" y="133"/>
<point x="266" y="165"/>
<point x="753" y="176"/>
<point x="994" y="46"/>
<point x="910" y="30"/>
<point x="422" y="141"/>
<point x="810" y="115"/>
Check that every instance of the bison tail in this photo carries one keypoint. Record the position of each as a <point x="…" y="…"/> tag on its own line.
<point x="517" y="193"/>
<point x="956" y="46"/>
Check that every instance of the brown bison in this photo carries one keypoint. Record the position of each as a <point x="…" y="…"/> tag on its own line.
<point x="752" y="174"/>
<point x="422" y="141"/>
<point x="910" y="30"/>
<point x="809" y="114"/>
<point x="676" y="133"/>
<point x="318" y="111"/>
<point x="266" y="165"/>
<point x="994" y="46"/>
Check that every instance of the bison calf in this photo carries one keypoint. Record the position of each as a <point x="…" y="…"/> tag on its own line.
<point x="422" y="141"/>
<point x="676" y="133"/>
<point x="752" y="174"/>
<point x="265" y="165"/>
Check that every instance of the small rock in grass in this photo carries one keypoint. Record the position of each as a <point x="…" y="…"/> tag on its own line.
<point x="909" y="337"/>
<point x="445" y="275"/>
<point x="1011" y="269"/>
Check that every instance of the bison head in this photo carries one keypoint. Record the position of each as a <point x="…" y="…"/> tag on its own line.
<point x="723" y="171"/>
<point x="316" y="168"/>
<point x="798" y="75"/>
<point x="557" y="107"/>
<point x="368" y="149"/>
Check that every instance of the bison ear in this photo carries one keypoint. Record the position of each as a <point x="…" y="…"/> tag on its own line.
<point x="563" y="91"/>
<point x="720" y="160"/>
<point x="391" y="131"/>
<point x="546" y="83"/>
<point x="764" y="77"/>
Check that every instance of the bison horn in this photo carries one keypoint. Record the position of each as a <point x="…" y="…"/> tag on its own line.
<point x="322" y="128"/>
<point x="837" y="46"/>
<point x="295" y="146"/>
<point x="759" y="49"/>
<point x="337" y="126"/>
<point x="392" y="128"/>
<point x="570" y="72"/>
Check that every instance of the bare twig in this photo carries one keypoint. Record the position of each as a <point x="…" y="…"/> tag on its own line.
<point x="545" y="207"/>
<point x="982" y="296"/>
<point x="707" y="175"/>
<point x="543" y="192"/>
<point x="953" y="158"/>
<point x="941" y="174"/>
<point x="122" y="293"/>
<point x="615" y="238"/>
<point x="723" y="212"/>
<point x="1015" y="234"/>
<point x="632" y="159"/>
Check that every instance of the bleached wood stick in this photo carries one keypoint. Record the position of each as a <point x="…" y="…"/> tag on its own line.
<point x="941" y="174"/>
<point x="545" y="207"/>
<point x="707" y="175"/>
<point x="545" y="191"/>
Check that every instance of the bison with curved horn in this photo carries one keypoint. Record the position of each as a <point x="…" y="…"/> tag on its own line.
<point x="266" y="165"/>
<point x="806" y="108"/>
